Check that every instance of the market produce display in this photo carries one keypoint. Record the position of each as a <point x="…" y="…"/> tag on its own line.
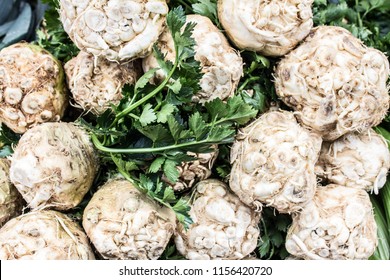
<point x="194" y="129"/>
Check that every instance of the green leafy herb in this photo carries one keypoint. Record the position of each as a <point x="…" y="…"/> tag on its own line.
<point x="8" y="139"/>
<point x="52" y="36"/>
<point x="366" y="19"/>
<point x="207" y="8"/>
<point x="150" y="132"/>
<point x="171" y="253"/>
<point x="382" y="251"/>
<point x="273" y="230"/>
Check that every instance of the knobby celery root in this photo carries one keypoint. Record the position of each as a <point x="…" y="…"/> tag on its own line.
<point x="221" y="65"/>
<point x="191" y="172"/>
<point x="356" y="160"/>
<point x="223" y="228"/>
<point x="273" y="163"/>
<point x="44" y="235"/>
<point x="54" y="165"/>
<point x="116" y="29"/>
<point x="97" y="83"/>
<point x="32" y="87"/>
<point x="11" y="202"/>
<point x="272" y="28"/>
<point x="334" y="82"/>
<point x="124" y="223"/>
<point x="337" y="224"/>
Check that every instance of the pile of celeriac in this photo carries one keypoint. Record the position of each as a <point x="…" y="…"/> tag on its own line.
<point x="157" y="138"/>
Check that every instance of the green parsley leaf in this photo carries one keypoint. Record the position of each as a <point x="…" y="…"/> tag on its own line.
<point x="148" y="115"/>
<point x="171" y="171"/>
<point x="207" y="8"/>
<point x="166" y="111"/>
<point x="156" y="165"/>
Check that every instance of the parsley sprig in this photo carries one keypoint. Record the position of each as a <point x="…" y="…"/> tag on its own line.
<point x="150" y="132"/>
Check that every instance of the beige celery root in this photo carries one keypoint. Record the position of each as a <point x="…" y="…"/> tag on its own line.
<point x="334" y="83"/>
<point x="272" y="28"/>
<point x="97" y="83"/>
<point x="356" y="160"/>
<point x="191" y="172"/>
<point x="11" y="202"/>
<point x="123" y="223"/>
<point x="54" y="165"/>
<point x="116" y="29"/>
<point x="44" y="235"/>
<point x="32" y="87"/>
<point x="337" y="224"/>
<point x="273" y="161"/>
<point x="221" y="65"/>
<point x="223" y="228"/>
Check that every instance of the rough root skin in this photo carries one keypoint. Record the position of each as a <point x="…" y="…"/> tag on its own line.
<point x="273" y="162"/>
<point x="123" y="223"/>
<point x="337" y="224"/>
<point x="11" y="202"/>
<point x="191" y="172"/>
<point x="97" y="83"/>
<point x="32" y="87"/>
<point x="221" y="65"/>
<point x="44" y="235"/>
<point x="223" y="228"/>
<point x="335" y="83"/>
<point x="54" y="165"/>
<point x="115" y="29"/>
<point x="356" y="160"/>
<point x="272" y="28"/>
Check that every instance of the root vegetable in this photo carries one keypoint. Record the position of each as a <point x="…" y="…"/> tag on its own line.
<point x="273" y="162"/>
<point x="97" y="83"/>
<point x="11" y="202"/>
<point x="123" y="223"/>
<point x="191" y="172"/>
<point x="44" y="235"/>
<point x="54" y="165"/>
<point x="222" y="66"/>
<point x="32" y="87"/>
<point x="223" y="228"/>
<point x="356" y="160"/>
<point x="269" y="27"/>
<point x="115" y="29"/>
<point x="337" y="224"/>
<point x="335" y="83"/>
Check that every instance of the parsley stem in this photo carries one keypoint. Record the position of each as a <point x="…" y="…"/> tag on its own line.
<point x="102" y="148"/>
<point x="360" y="22"/>
<point x="247" y="81"/>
